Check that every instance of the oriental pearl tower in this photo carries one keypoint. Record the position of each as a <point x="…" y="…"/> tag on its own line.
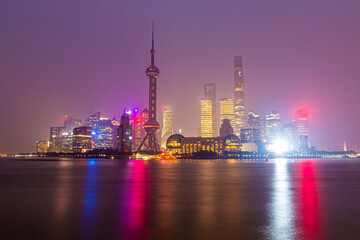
<point x="150" y="143"/>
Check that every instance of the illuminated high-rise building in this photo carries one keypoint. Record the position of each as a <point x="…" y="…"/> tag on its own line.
<point x="104" y="134"/>
<point x="82" y="139"/>
<point x="239" y="105"/>
<point x="104" y="131"/>
<point x="253" y="120"/>
<point x="151" y="126"/>
<point x="67" y="132"/>
<point x="71" y="123"/>
<point x="288" y="133"/>
<point x="124" y="136"/>
<point x="138" y="122"/>
<point x="42" y="146"/>
<point x="210" y="94"/>
<point x="55" y="139"/>
<point x="206" y="118"/>
<point x="167" y="127"/>
<point x="250" y="135"/>
<point x="272" y="126"/>
<point x="227" y="111"/>
<point x="66" y="141"/>
<point x="301" y="122"/>
<point x="115" y="125"/>
<point x="93" y="121"/>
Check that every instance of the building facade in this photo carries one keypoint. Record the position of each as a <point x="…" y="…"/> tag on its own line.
<point x="227" y="111"/>
<point x="253" y="120"/>
<point x="250" y="135"/>
<point x="55" y="139"/>
<point x="210" y="94"/>
<point x="82" y="139"/>
<point x="239" y="104"/>
<point x="104" y="131"/>
<point x="288" y="133"/>
<point x="231" y="144"/>
<point x="138" y="122"/>
<point x="124" y="135"/>
<point x="42" y="146"/>
<point x="206" y="118"/>
<point x="191" y="145"/>
<point x="301" y="122"/>
<point x="67" y="132"/>
<point x="272" y="126"/>
<point x="167" y="127"/>
<point x="173" y="144"/>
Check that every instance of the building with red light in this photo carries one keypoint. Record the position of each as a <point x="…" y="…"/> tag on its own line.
<point x="138" y="122"/>
<point x="301" y="122"/>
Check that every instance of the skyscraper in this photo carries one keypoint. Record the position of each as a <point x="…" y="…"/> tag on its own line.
<point x="125" y="134"/>
<point x="239" y="106"/>
<point x="138" y="122"/>
<point x="82" y="139"/>
<point x="227" y="111"/>
<point x="167" y="128"/>
<point x="272" y="126"/>
<point x="301" y="122"/>
<point x="103" y="131"/>
<point x="93" y="121"/>
<point x="115" y="125"/>
<point x="253" y="120"/>
<point x="151" y="126"/>
<point x="104" y="134"/>
<point x="210" y="94"/>
<point x="206" y="118"/>
<point x="67" y="132"/>
<point x="250" y="135"/>
<point x="55" y="139"/>
<point x="288" y="133"/>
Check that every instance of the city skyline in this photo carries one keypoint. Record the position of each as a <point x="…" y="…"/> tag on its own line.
<point x="43" y="81"/>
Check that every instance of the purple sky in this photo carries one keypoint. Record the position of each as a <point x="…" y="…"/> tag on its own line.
<point x="78" y="57"/>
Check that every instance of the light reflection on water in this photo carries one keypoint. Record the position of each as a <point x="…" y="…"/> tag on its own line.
<point x="133" y="204"/>
<point x="190" y="199"/>
<point x="308" y="202"/>
<point x="90" y="199"/>
<point x="281" y="207"/>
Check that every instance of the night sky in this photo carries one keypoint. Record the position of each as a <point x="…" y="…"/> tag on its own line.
<point x="79" y="57"/>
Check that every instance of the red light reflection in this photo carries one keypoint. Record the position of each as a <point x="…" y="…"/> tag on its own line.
<point x="133" y="203"/>
<point x="309" y="209"/>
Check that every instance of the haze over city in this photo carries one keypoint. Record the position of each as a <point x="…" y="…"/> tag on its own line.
<point x="82" y="57"/>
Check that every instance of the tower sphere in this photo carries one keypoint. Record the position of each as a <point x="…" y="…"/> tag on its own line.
<point x="152" y="71"/>
<point x="152" y="126"/>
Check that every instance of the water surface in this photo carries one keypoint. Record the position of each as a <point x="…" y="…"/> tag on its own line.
<point x="184" y="199"/>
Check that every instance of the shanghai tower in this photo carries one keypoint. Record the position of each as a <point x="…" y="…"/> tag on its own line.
<point x="239" y="106"/>
<point x="150" y="142"/>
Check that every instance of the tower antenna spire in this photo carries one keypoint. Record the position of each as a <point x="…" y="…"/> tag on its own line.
<point x="152" y="46"/>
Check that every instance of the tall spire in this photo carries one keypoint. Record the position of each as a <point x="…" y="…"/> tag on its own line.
<point x="152" y="46"/>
